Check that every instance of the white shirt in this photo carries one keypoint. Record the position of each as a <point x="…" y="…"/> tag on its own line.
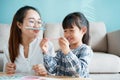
<point x="35" y="56"/>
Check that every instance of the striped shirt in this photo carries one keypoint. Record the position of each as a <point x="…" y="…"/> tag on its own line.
<point x="75" y="63"/>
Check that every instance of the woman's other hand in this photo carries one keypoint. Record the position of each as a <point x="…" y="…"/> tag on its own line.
<point x="10" y="68"/>
<point x="40" y="70"/>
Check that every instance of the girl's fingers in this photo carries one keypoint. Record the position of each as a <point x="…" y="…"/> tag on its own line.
<point x="44" y="44"/>
<point x="44" y="41"/>
<point x="62" y="40"/>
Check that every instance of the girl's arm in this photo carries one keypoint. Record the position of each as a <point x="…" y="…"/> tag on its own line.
<point x="77" y="65"/>
<point x="51" y="62"/>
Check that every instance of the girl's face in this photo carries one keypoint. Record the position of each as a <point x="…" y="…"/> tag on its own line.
<point x="32" y="19"/>
<point x="74" y="35"/>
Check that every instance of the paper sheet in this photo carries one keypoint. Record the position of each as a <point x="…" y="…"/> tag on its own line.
<point x="24" y="77"/>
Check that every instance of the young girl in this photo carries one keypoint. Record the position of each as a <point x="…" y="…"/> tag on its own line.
<point x="23" y="53"/>
<point x="75" y="54"/>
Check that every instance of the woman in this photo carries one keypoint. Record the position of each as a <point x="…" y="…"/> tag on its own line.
<point x="23" y="52"/>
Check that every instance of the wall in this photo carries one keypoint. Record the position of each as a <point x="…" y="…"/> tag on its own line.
<point x="53" y="11"/>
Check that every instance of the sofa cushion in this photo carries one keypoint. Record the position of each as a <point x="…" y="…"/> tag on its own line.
<point x="4" y="35"/>
<point x="104" y="63"/>
<point x="98" y="40"/>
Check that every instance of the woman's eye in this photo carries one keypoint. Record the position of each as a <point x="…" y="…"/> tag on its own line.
<point x="31" y="21"/>
<point x="39" y="22"/>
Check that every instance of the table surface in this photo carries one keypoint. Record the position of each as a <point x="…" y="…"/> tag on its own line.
<point x="51" y="77"/>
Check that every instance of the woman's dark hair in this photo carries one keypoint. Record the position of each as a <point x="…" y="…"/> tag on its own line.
<point x="15" y="33"/>
<point x="78" y="19"/>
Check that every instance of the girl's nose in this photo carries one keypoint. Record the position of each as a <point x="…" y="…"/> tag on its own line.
<point x="67" y="34"/>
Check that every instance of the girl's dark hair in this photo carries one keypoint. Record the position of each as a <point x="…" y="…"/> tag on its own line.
<point x="15" y="33"/>
<point x="78" y="19"/>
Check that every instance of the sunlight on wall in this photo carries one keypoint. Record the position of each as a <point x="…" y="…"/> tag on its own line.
<point x="88" y="9"/>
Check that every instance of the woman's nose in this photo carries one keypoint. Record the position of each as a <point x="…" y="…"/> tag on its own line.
<point x="37" y="25"/>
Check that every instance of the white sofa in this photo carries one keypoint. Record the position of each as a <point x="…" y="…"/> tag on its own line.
<point x="105" y="64"/>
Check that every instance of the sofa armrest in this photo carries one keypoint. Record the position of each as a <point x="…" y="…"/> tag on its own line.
<point x="1" y="62"/>
<point x="114" y="42"/>
<point x="1" y="51"/>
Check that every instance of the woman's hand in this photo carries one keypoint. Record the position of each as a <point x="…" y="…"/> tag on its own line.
<point x="64" y="45"/>
<point x="40" y="70"/>
<point x="10" y="68"/>
<point x="44" y="45"/>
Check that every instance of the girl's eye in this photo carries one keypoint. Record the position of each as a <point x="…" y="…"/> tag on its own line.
<point x="71" y="30"/>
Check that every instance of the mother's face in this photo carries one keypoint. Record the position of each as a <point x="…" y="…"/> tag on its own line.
<point x="32" y="19"/>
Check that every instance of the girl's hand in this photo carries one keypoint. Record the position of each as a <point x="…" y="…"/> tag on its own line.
<point x="40" y="70"/>
<point x="44" y="45"/>
<point x="64" y="45"/>
<point x="10" y="68"/>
